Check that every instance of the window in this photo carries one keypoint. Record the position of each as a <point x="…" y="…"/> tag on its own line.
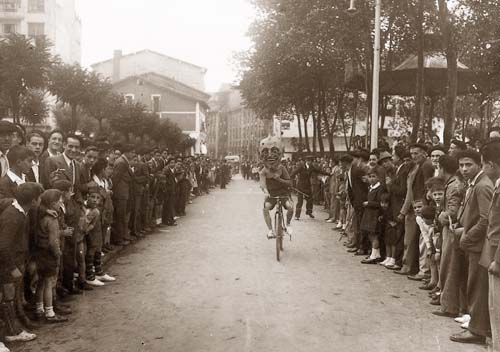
<point x="8" y="28"/>
<point x="36" y="29"/>
<point x="155" y="102"/>
<point x="36" y="6"/>
<point x="9" y="5"/>
<point x="129" y="98"/>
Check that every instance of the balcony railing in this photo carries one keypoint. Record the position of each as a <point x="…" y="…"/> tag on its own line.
<point x="10" y="5"/>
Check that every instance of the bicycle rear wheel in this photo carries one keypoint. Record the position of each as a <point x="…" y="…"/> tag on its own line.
<point x="278" y="223"/>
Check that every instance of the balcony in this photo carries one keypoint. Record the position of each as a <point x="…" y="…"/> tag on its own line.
<point x="10" y="9"/>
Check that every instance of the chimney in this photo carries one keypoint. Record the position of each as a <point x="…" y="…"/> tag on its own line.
<point x="117" y="55"/>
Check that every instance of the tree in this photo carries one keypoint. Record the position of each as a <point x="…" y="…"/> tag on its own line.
<point x="103" y="102"/>
<point x="34" y="109"/>
<point x="72" y="85"/>
<point x="24" y="65"/>
<point x="129" y="119"/>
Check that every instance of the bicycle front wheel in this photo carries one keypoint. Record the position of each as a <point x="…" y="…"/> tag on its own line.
<point x="278" y="221"/>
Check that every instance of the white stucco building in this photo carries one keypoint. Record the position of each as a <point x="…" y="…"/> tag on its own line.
<point x="56" y="19"/>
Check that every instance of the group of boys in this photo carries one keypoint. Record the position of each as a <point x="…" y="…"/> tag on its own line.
<point x="440" y="207"/>
<point x="124" y="192"/>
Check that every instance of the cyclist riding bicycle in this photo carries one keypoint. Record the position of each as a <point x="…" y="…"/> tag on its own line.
<point x="275" y="182"/>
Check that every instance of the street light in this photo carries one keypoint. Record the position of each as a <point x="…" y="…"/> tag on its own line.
<point x="376" y="71"/>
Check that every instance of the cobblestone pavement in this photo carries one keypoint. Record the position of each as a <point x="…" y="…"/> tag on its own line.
<point x="213" y="284"/>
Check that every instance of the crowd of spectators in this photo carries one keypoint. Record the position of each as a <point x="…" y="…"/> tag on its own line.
<point x="65" y="202"/>
<point x="424" y="211"/>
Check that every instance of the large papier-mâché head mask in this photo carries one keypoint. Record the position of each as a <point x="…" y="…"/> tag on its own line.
<point x="270" y="151"/>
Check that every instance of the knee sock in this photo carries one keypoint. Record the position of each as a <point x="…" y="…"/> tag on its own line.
<point x="49" y="312"/>
<point x="39" y="307"/>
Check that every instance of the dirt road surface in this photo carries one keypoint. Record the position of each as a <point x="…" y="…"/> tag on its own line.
<point x="213" y="284"/>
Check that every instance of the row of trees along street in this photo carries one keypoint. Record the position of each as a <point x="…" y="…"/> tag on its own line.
<point x="30" y="76"/>
<point x="305" y="51"/>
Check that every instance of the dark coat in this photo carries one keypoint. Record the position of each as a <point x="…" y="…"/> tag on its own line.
<point x="305" y="173"/>
<point x="357" y="189"/>
<point x="370" y="221"/>
<point x="122" y="179"/>
<point x="58" y="162"/>
<point x="7" y="187"/>
<point x="13" y="241"/>
<point x="42" y="176"/>
<point x="474" y="215"/>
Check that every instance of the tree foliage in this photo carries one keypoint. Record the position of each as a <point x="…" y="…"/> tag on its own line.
<point x="24" y="65"/>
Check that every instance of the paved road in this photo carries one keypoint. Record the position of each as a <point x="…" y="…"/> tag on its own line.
<point x="213" y="284"/>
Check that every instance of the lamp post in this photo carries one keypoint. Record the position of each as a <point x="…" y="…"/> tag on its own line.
<point x="376" y="73"/>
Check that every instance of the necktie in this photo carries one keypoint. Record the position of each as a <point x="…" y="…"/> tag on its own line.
<point x="4" y="164"/>
<point x="72" y="172"/>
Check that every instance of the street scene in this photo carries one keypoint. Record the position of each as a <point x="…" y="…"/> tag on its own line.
<point x="215" y="285"/>
<point x="249" y="175"/>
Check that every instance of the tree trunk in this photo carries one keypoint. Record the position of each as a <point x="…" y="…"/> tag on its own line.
<point x="318" y="124"/>
<point x="431" y="116"/>
<point x="73" y="118"/>
<point x="301" y="143"/>
<point x="354" y="116"/>
<point x="451" y="60"/>
<point x="419" y="99"/>
<point x="306" y="134"/>
<point x="315" y="131"/>
<point x="329" y="130"/>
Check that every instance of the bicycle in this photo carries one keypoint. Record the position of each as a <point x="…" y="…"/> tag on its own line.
<point x="279" y="225"/>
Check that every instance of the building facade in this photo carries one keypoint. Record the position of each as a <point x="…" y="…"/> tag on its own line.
<point x="144" y="61"/>
<point x="185" y="106"/>
<point x="234" y="129"/>
<point x="55" y="19"/>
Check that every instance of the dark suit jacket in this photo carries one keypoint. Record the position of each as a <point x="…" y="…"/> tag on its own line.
<point x="58" y="162"/>
<point x="424" y="172"/>
<point x="171" y="183"/>
<point x="7" y="187"/>
<point x="122" y="179"/>
<point x="304" y="174"/>
<point x="493" y="233"/>
<point x="141" y="177"/>
<point x="30" y="176"/>
<point x="13" y="241"/>
<point x="357" y="189"/>
<point x="474" y="215"/>
<point x="85" y="178"/>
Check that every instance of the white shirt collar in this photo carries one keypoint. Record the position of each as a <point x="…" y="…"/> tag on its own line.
<point x="68" y="160"/>
<point x="50" y="153"/>
<point x="16" y="205"/>
<point x="474" y="180"/>
<point x="497" y="183"/>
<point x="16" y="179"/>
<point x="375" y="186"/>
<point x="35" y="163"/>
<point x="101" y="183"/>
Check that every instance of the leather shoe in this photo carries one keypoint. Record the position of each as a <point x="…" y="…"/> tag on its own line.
<point x="361" y="252"/>
<point x="416" y="277"/>
<point x="172" y="224"/>
<point x="122" y="243"/>
<point x="427" y="287"/>
<point x="350" y="245"/>
<point x="468" y="337"/>
<point x="401" y="272"/>
<point x="311" y="215"/>
<point x="435" y="301"/>
<point x="370" y="261"/>
<point x="440" y="313"/>
<point x="352" y="250"/>
<point x="85" y="287"/>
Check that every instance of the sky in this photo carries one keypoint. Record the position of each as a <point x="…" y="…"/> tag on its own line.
<point x="204" y="32"/>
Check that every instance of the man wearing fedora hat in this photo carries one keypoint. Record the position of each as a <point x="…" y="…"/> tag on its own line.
<point x="304" y="172"/>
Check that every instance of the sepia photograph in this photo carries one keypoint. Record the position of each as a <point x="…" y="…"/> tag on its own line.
<point x="249" y="175"/>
